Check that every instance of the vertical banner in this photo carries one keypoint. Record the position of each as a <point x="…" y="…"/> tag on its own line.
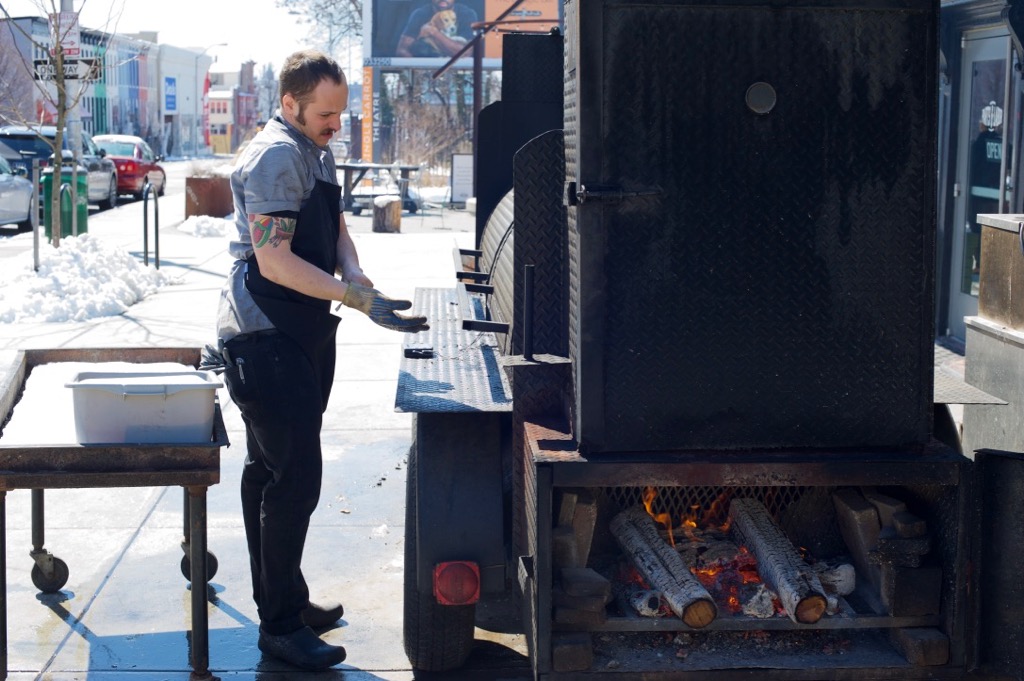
<point x="368" y="105"/>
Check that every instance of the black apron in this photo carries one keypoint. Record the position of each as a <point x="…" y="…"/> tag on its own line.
<point x="306" y="320"/>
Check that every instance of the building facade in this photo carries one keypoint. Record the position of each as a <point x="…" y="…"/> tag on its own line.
<point x="980" y="105"/>
<point x="157" y="92"/>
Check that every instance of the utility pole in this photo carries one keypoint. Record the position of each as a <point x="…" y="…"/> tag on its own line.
<point x="74" y="123"/>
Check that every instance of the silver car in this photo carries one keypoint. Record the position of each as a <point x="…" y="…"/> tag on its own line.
<point x="30" y="144"/>
<point x="15" y="197"/>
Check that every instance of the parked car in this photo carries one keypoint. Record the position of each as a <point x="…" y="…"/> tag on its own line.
<point x="15" y="197"/>
<point x="29" y="143"/>
<point x="136" y="163"/>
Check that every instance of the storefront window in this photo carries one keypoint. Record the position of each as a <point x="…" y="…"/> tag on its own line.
<point x="985" y="163"/>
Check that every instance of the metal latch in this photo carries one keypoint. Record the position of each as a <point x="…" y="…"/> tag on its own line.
<point x="575" y="196"/>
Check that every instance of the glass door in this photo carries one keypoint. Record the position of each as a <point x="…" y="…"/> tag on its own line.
<point x="983" y="153"/>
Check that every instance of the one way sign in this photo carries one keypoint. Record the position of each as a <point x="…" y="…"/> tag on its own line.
<point x="74" y="69"/>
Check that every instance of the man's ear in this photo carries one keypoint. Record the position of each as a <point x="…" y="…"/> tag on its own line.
<point x="289" y="104"/>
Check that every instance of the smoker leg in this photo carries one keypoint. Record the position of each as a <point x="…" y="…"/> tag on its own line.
<point x="197" y="557"/>
<point x="50" y="573"/>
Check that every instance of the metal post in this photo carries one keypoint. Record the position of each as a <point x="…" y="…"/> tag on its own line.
<point x="35" y="214"/>
<point x="478" y="70"/>
<point x="38" y="518"/>
<point x="198" y="574"/>
<point x="146" y="191"/>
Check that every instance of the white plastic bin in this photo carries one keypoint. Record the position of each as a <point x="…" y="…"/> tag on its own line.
<point x="144" y="407"/>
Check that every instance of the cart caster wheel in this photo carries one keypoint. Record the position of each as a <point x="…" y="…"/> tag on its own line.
<point x="211" y="566"/>
<point x="56" y="581"/>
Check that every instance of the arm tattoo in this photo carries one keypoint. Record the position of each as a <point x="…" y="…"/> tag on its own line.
<point x="266" y="229"/>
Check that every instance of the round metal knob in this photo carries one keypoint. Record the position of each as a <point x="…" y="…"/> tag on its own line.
<point x="761" y="98"/>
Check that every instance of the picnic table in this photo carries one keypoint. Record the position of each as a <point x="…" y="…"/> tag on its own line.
<point x="353" y="174"/>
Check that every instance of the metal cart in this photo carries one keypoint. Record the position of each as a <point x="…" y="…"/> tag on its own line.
<point x="194" y="467"/>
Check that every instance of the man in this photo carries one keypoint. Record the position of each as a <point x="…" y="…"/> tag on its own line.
<point x="277" y="338"/>
<point x="438" y="29"/>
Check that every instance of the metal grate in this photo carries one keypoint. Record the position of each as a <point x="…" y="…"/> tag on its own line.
<point x="707" y="505"/>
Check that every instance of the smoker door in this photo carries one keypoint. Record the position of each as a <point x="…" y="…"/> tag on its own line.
<point x="752" y="242"/>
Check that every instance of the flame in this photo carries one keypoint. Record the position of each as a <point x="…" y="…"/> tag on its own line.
<point x="689" y="524"/>
<point x="649" y="495"/>
<point x="719" y="510"/>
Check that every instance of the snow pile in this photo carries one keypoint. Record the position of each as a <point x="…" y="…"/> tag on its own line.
<point x="203" y="226"/>
<point x="84" y="278"/>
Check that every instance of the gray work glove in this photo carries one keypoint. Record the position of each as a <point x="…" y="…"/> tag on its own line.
<point x="381" y="309"/>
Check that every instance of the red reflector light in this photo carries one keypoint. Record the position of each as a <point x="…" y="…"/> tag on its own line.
<point x="457" y="583"/>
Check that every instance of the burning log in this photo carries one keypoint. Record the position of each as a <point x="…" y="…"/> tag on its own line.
<point x="663" y="568"/>
<point x="780" y="566"/>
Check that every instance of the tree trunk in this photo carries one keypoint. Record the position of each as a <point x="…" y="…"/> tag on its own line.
<point x="663" y="568"/>
<point x="778" y="562"/>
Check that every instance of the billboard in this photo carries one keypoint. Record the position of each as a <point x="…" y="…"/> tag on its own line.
<point x="427" y="33"/>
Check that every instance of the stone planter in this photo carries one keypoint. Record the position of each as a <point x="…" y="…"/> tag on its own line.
<point x="208" y="196"/>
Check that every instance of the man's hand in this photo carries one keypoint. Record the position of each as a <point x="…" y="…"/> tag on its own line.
<point x="382" y="310"/>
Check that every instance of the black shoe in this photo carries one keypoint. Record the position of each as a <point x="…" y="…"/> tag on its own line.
<point x="302" y="648"/>
<point x="321" y="616"/>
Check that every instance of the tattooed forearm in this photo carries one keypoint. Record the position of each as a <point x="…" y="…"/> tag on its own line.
<point x="270" y="230"/>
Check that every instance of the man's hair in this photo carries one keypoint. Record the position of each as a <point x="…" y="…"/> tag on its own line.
<point x="303" y="71"/>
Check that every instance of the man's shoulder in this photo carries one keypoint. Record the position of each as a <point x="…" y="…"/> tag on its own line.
<point x="277" y="148"/>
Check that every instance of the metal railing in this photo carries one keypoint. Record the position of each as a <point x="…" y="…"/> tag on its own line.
<point x="146" y="190"/>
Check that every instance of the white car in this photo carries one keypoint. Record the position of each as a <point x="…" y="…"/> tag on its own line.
<point x="15" y="197"/>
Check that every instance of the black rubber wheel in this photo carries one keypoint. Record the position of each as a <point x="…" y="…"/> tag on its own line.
<point x="437" y="637"/>
<point x="53" y="583"/>
<point x="25" y="226"/>
<point x="111" y="201"/>
<point x="357" y="211"/>
<point x="211" y="566"/>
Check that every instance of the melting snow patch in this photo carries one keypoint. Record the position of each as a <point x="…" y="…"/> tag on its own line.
<point x="381" y="531"/>
<point x="203" y="226"/>
<point x="82" y="279"/>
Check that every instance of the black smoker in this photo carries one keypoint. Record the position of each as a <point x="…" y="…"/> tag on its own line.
<point x="706" y="242"/>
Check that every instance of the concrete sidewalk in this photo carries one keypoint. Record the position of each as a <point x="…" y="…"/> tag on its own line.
<point x="126" y="609"/>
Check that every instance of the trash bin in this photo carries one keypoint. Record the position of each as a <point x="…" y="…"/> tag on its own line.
<point x="65" y="207"/>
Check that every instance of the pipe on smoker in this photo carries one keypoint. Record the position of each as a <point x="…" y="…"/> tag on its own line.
<point x="528" y="311"/>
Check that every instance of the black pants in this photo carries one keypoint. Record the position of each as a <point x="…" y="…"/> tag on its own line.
<point x="282" y="401"/>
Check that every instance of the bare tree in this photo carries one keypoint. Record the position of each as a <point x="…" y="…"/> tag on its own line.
<point x="330" y="22"/>
<point x="61" y="94"/>
<point x="266" y="93"/>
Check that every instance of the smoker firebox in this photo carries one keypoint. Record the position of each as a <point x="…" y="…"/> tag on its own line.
<point x="862" y="640"/>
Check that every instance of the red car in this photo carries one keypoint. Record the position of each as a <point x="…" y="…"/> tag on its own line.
<point x="136" y="164"/>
